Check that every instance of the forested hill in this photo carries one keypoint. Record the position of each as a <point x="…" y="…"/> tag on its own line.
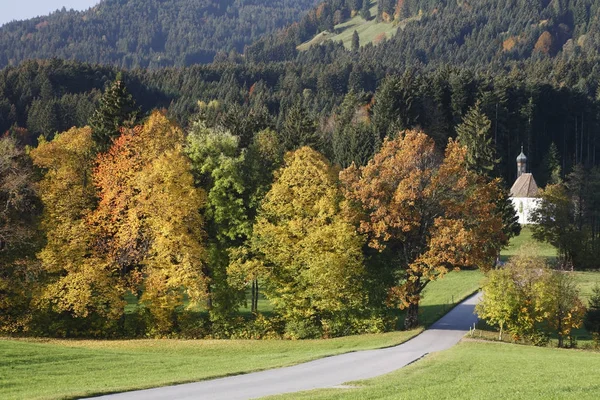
<point x="148" y="33"/>
<point x="432" y="32"/>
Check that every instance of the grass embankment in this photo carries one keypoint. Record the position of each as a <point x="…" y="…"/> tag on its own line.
<point x="473" y="370"/>
<point x="371" y="31"/>
<point x="50" y="369"/>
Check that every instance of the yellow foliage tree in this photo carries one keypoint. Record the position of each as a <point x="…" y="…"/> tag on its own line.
<point x="79" y="281"/>
<point x="311" y="255"/>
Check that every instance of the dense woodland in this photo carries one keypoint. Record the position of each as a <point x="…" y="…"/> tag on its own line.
<point x="148" y="33"/>
<point x="188" y="187"/>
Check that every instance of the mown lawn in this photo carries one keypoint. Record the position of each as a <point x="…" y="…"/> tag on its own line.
<point x="51" y="369"/>
<point x="69" y="369"/>
<point x="475" y="370"/>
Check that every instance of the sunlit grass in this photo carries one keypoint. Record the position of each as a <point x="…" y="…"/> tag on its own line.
<point x="474" y="370"/>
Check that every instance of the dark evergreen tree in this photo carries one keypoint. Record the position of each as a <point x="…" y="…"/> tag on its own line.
<point x="365" y="12"/>
<point x="592" y="316"/>
<point x="299" y="129"/>
<point x="474" y="134"/>
<point x="355" y="41"/>
<point x="552" y="169"/>
<point x="116" y="109"/>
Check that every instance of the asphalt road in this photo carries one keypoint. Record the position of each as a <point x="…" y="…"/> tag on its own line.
<point x="325" y="372"/>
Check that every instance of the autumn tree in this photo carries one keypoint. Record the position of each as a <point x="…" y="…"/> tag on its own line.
<point x="116" y="109"/>
<point x="529" y="300"/>
<point x="514" y="296"/>
<point x="426" y="208"/>
<point x="310" y="255"/>
<point x="18" y="217"/>
<point x="565" y="310"/>
<point x="147" y="226"/>
<point x="79" y="282"/>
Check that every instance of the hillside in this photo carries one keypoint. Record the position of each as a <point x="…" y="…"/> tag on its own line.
<point x="148" y="33"/>
<point x="437" y="32"/>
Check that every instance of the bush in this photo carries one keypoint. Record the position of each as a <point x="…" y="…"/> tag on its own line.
<point x="302" y="329"/>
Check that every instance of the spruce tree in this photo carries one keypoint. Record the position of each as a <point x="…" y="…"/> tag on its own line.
<point x="116" y="109"/>
<point x="474" y="134"/>
<point x="299" y="129"/>
<point x="365" y="12"/>
<point x="355" y="41"/>
<point x="552" y="169"/>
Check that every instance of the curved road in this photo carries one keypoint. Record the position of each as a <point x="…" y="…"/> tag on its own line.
<point x="323" y="373"/>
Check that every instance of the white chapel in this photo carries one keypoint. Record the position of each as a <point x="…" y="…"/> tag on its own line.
<point x="524" y="192"/>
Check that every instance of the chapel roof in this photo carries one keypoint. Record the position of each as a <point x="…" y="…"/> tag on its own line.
<point x="524" y="186"/>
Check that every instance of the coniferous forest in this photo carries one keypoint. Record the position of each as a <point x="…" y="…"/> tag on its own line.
<point x="166" y="162"/>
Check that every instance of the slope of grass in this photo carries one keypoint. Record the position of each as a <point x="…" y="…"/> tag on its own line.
<point x="474" y="370"/>
<point x="370" y="31"/>
<point x="49" y="369"/>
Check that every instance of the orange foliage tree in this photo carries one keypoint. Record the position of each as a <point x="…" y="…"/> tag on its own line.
<point x="147" y="224"/>
<point x="428" y="210"/>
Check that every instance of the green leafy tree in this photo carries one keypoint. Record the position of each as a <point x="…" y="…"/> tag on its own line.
<point x="554" y="222"/>
<point x="592" y="316"/>
<point x="218" y="166"/>
<point x="565" y="310"/>
<point x="528" y="299"/>
<point x="365" y="11"/>
<point x="115" y="110"/>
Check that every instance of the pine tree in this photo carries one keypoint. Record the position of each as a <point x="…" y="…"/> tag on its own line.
<point x="474" y="134"/>
<point x="355" y="41"/>
<point x="116" y="109"/>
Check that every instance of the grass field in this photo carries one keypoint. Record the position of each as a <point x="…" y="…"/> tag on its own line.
<point x="50" y="369"/>
<point x="368" y="31"/>
<point x="474" y="370"/>
<point x="526" y="239"/>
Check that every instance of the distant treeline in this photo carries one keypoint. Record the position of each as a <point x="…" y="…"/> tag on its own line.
<point x="542" y="103"/>
<point x="148" y="33"/>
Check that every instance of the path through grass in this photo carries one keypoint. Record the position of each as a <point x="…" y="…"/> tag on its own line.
<point x="473" y="370"/>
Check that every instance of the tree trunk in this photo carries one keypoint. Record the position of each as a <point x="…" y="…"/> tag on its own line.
<point x="411" y="320"/>
<point x="254" y="296"/>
